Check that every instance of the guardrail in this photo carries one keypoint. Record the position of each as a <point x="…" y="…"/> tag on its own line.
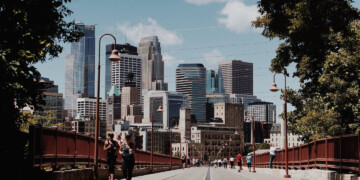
<point x="53" y="147"/>
<point x="336" y="153"/>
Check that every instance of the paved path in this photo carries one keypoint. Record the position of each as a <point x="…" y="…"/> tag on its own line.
<point x="206" y="173"/>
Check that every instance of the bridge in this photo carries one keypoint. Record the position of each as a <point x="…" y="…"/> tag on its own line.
<point x="68" y="155"/>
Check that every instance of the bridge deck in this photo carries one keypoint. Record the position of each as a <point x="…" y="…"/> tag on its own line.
<point x="206" y="173"/>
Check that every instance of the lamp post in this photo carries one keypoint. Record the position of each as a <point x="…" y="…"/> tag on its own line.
<point x="152" y="130"/>
<point x="253" y="122"/>
<point x="275" y="89"/>
<point x="113" y="57"/>
<point x="176" y="127"/>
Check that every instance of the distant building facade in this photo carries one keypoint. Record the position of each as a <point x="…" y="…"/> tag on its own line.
<point x="214" y="82"/>
<point x="237" y="77"/>
<point x="191" y="81"/>
<point x="130" y="106"/>
<point x="262" y="111"/>
<point x="113" y="108"/>
<point x="80" y="69"/>
<point x="275" y="137"/>
<point x="152" y="64"/>
<point x="171" y="104"/>
<point x="116" y="72"/>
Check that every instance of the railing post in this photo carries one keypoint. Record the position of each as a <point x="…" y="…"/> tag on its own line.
<point x="308" y="147"/>
<point x="300" y="158"/>
<point x="75" y="151"/>
<point x="315" y="150"/>
<point x="358" y="150"/>
<point x="293" y="149"/>
<point x="56" y="149"/>
<point x="89" y="142"/>
<point x="41" y="145"/>
<point x="326" y="153"/>
<point x="340" y="154"/>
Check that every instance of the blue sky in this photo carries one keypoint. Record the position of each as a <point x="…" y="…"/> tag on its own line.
<point x="190" y="31"/>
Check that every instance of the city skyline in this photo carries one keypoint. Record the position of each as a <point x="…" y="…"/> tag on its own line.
<point x="204" y="36"/>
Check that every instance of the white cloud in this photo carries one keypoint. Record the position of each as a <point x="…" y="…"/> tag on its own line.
<point x="212" y="58"/>
<point x="171" y="61"/>
<point x="203" y="2"/>
<point x="238" y="16"/>
<point x="150" y="28"/>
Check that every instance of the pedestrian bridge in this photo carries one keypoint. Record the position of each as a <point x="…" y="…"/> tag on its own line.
<point x="66" y="155"/>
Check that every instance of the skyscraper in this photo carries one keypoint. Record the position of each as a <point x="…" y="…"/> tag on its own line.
<point x="191" y="81"/>
<point x="80" y="69"/>
<point x="130" y="107"/>
<point x="237" y="76"/>
<point x="152" y="64"/>
<point x="214" y="82"/>
<point x="116" y="72"/>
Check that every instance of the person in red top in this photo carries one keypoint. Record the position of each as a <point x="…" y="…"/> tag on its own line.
<point x="238" y="160"/>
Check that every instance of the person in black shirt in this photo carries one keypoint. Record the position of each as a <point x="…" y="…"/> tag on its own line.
<point x="111" y="147"/>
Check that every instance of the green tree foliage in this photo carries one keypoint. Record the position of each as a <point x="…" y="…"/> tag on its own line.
<point x="45" y="118"/>
<point x="322" y="38"/>
<point x="30" y="33"/>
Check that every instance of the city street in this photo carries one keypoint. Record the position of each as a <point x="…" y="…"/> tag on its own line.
<point x="206" y="173"/>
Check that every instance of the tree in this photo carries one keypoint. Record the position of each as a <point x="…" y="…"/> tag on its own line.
<point x="46" y="119"/>
<point x="30" y="34"/>
<point x="322" y="38"/>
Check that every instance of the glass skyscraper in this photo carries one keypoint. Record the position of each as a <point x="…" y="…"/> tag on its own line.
<point x="191" y="81"/>
<point x="214" y="82"/>
<point x="80" y="68"/>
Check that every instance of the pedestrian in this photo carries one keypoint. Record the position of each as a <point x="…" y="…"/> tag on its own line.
<point x="127" y="150"/>
<point x="225" y="163"/>
<point x="118" y="138"/>
<point x="219" y="161"/>
<point x="188" y="161"/>
<point x="111" y="146"/>
<point x="232" y="162"/>
<point x="272" y="154"/>
<point x="238" y="160"/>
<point x="183" y="160"/>
<point x="248" y="161"/>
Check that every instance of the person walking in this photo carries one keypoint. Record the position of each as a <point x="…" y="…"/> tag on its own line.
<point x="238" y="160"/>
<point x="183" y="160"/>
<point x="248" y="161"/>
<point x="219" y="161"/>
<point x="111" y="146"/>
<point x="225" y="163"/>
<point x="127" y="150"/>
<point x="232" y="162"/>
<point x="272" y="154"/>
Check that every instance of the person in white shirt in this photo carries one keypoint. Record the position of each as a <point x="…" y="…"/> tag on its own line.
<point x="225" y="163"/>
<point x="272" y="154"/>
<point x="232" y="162"/>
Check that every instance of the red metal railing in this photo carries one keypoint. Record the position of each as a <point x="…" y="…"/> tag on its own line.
<point x="53" y="147"/>
<point x="338" y="153"/>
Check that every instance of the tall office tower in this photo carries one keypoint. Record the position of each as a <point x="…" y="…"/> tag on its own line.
<point x="243" y="99"/>
<point x="191" y="81"/>
<point x="130" y="107"/>
<point x="237" y="76"/>
<point x="116" y="72"/>
<point x="80" y="69"/>
<point x="152" y="64"/>
<point x="214" y="82"/>
<point x="113" y="111"/>
<point x="87" y="108"/>
<point x="262" y="111"/>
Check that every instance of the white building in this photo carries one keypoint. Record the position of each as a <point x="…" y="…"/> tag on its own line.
<point x="262" y="111"/>
<point x="275" y="137"/>
<point x="87" y="108"/>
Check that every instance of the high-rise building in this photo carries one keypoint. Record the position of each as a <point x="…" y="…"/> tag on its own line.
<point x="171" y="104"/>
<point x="130" y="106"/>
<point x="214" y="82"/>
<point x="80" y="69"/>
<point x="191" y="81"/>
<point x="86" y="107"/>
<point x="262" y="111"/>
<point x="152" y="64"/>
<point x="116" y="72"/>
<point x="113" y="111"/>
<point x="232" y="115"/>
<point x="237" y="76"/>
<point x="211" y="99"/>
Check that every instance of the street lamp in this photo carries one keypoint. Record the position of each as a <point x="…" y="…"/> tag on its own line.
<point x="275" y="89"/>
<point x="152" y="129"/>
<point x="113" y="57"/>
<point x="176" y="127"/>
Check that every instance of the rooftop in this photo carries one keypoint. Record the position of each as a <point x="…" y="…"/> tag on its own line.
<point x="191" y="65"/>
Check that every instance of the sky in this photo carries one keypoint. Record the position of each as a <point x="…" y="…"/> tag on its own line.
<point x="190" y="31"/>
